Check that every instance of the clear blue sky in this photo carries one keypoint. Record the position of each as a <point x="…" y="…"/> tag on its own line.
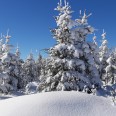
<point x="29" y="21"/>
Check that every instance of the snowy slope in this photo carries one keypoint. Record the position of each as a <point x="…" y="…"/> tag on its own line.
<point x="57" y="104"/>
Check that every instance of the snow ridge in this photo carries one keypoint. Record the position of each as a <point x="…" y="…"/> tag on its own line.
<point x="57" y="104"/>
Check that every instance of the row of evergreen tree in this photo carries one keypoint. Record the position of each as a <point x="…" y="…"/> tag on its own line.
<point x="15" y="73"/>
<point x="73" y="63"/>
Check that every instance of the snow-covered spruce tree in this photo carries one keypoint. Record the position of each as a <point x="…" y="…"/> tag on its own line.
<point x="40" y="66"/>
<point x="8" y="60"/>
<point x="19" y="72"/>
<point x="89" y="51"/>
<point x="44" y="73"/>
<point x="110" y="76"/>
<point x="1" y="52"/>
<point x="103" y="56"/>
<point x="1" y="43"/>
<point x="71" y="64"/>
<point x="111" y="69"/>
<point x="29" y="68"/>
<point x="95" y="52"/>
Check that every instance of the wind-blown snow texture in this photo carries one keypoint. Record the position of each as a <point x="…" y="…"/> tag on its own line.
<point x="57" y="104"/>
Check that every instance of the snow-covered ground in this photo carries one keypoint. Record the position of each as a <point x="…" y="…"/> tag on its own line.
<point x="11" y="95"/>
<point x="57" y="104"/>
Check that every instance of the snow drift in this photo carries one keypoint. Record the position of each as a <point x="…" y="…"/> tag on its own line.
<point x="57" y="104"/>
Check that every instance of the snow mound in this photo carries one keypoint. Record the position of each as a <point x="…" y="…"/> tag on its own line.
<point x="57" y="104"/>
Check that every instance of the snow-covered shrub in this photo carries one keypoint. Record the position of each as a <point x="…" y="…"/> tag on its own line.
<point x="31" y="88"/>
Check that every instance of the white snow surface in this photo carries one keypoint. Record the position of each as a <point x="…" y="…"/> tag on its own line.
<point x="57" y="104"/>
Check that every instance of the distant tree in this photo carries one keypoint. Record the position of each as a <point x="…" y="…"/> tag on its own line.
<point x="29" y="68"/>
<point x="40" y="66"/>
<point x="111" y="69"/>
<point x="19" y="72"/>
<point x="104" y="53"/>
